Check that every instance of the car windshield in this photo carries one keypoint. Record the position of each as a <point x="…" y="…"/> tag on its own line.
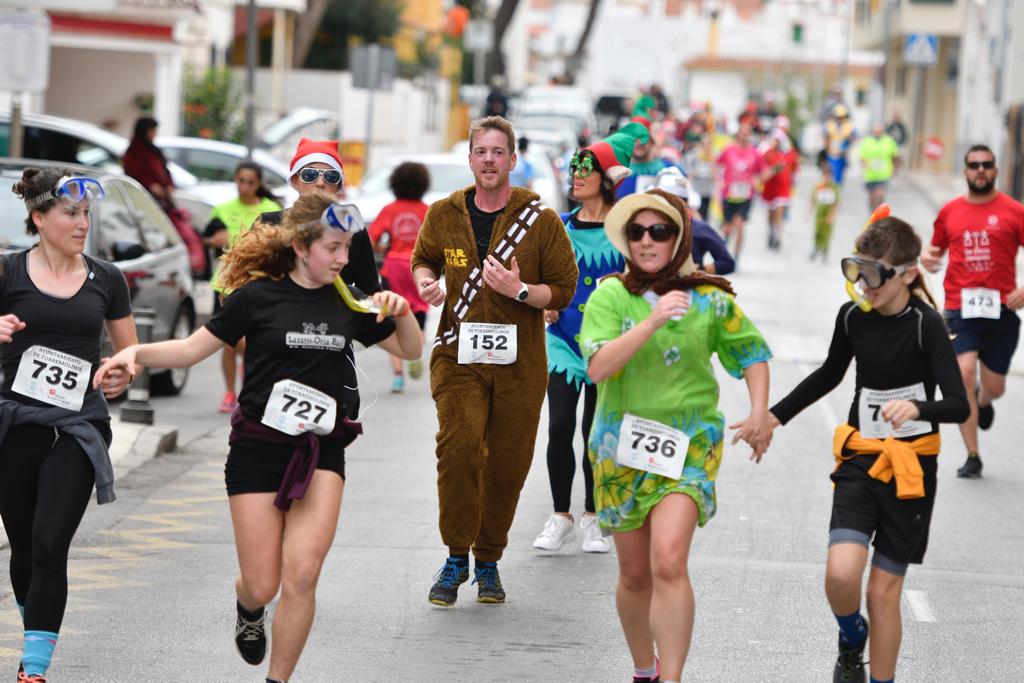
<point x="444" y="178"/>
<point x="12" y="218"/>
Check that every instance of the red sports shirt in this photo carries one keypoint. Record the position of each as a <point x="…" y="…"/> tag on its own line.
<point x="982" y="240"/>
<point x="402" y="220"/>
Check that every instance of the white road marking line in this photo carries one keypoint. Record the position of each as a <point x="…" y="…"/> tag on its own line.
<point x="917" y="601"/>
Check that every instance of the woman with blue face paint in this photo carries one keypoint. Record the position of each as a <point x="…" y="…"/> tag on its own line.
<point x="285" y="470"/>
<point x="54" y="425"/>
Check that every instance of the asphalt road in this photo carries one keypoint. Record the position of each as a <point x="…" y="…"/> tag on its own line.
<point x="152" y="575"/>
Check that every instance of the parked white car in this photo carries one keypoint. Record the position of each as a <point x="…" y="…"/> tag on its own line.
<point x="448" y="172"/>
<point x="214" y="160"/>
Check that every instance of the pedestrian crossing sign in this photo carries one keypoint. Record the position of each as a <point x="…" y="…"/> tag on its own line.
<point x="921" y="49"/>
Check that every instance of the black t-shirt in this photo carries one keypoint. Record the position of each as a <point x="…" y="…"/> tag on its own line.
<point x="483" y="224"/>
<point x="892" y="351"/>
<point x="295" y="333"/>
<point x="361" y="269"/>
<point x="72" y="325"/>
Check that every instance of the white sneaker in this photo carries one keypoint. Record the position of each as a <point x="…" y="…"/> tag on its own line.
<point x="593" y="541"/>
<point x="558" y="530"/>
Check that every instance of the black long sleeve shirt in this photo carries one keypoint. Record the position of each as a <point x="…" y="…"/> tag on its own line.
<point x="892" y="352"/>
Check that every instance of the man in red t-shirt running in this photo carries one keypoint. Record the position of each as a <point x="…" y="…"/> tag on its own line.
<point x="982" y="232"/>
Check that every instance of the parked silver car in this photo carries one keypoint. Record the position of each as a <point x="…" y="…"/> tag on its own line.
<point x="130" y="230"/>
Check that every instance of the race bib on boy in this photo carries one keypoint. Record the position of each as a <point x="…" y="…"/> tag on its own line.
<point x="294" y="408"/>
<point x="53" y="377"/>
<point x="874" y="426"/>
<point x="826" y="196"/>
<point x="651" y="446"/>
<point x="739" y="191"/>
<point x="487" y="343"/>
<point x="979" y="302"/>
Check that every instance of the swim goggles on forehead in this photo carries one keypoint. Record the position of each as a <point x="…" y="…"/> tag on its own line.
<point x="873" y="273"/>
<point x="343" y="217"/>
<point x="582" y="164"/>
<point x="71" y="189"/>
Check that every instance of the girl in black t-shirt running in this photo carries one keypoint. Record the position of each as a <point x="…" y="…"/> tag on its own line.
<point x="54" y="427"/>
<point x="286" y="464"/>
<point x="884" y="481"/>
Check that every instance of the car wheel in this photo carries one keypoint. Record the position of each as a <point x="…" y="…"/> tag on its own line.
<point x="172" y="382"/>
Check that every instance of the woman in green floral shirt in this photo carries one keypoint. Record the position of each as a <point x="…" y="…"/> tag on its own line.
<point x="648" y="336"/>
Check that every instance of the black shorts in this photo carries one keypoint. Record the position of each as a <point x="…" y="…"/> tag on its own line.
<point x="994" y="340"/>
<point x="862" y="503"/>
<point x="258" y="467"/>
<point x="732" y="209"/>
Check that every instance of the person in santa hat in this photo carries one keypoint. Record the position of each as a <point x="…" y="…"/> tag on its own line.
<point x="316" y="169"/>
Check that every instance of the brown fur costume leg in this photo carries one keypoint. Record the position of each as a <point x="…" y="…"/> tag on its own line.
<point x="478" y="488"/>
<point x="463" y="397"/>
<point x="511" y="434"/>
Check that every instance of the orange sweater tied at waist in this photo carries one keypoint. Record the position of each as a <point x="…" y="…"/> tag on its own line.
<point x="896" y="458"/>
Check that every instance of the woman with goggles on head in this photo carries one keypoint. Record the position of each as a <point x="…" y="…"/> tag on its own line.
<point x="656" y="443"/>
<point x="54" y="425"/>
<point x="595" y="172"/>
<point x="885" y="475"/>
<point x="316" y="169"/>
<point x="286" y="464"/>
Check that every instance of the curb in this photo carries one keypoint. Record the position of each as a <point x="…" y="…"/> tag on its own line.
<point x="133" y="445"/>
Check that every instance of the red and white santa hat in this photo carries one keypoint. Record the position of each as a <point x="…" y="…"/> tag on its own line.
<point x="313" y="151"/>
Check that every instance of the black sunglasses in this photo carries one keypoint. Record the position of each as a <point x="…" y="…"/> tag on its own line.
<point x="659" y="232"/>
<point x="311" y="175"/>
<point x="975" y="165"/>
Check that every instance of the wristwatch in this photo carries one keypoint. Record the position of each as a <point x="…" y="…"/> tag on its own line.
<point x="524" y="292"/>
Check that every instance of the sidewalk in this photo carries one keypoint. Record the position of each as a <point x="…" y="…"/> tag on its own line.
<point x="938" y="189"/>
<point x="133" y="445"/>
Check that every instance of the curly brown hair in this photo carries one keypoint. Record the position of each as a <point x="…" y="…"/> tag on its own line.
<point x="266" y="251"/>
<point x="410" y="180"/>
<point x="34" y="182"/>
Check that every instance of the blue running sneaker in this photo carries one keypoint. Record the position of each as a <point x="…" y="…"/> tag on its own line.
<point x="445" y="590"/>
<point x="488" y="582"/>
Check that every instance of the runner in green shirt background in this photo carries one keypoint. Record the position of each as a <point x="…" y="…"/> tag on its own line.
<point x="227" y="223"/>
<point x="879" y="155"/>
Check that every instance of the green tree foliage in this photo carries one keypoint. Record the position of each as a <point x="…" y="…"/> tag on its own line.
<point x="213" y="105"/>
<point x="367" y="20"/>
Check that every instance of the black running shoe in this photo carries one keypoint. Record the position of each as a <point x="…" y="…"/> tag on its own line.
<point x="445" y="590"/>
<point x="971" y="468"/>
<point x="850" y="662"/>
<point x="251" y="637"/>
<point x="986" y="414"/>
<point x="488" y="583"/>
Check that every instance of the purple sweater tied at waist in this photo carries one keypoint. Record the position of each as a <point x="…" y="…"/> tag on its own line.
<point x="304" y="458"/>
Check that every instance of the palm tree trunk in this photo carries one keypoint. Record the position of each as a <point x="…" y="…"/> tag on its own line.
<point x="575" y="61"/>
<point x="306" y="26"/>
<point x="496" y="58"/>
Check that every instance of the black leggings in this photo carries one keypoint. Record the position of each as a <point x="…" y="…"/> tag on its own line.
<point x="45" y="484"/>
<point x="563" y="395"/>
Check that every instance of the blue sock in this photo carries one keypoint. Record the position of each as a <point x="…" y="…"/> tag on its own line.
<point x="878" y="680"/>
<point x="852" y="628"/>
<point x="38" y="651"/>
<point x="461" y="560"/>
<point x="21" y="610"/>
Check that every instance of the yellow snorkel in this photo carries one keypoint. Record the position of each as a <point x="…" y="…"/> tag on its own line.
<point x="358" y="305"/>
<point x="348" y="219"/>
<point x="882" y="211"/>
